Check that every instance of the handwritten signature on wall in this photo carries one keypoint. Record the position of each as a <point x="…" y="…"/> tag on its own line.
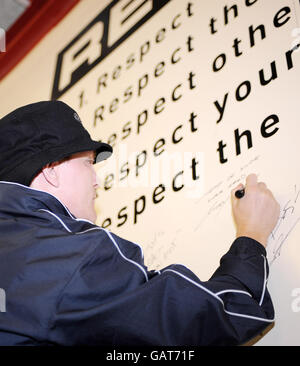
<point x="288" y="220"/>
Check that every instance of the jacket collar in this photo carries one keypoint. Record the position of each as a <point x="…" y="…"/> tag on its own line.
<point x="16" y="198"/>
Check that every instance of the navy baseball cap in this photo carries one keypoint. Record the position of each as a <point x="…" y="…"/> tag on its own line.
<point x="40" y="133"/>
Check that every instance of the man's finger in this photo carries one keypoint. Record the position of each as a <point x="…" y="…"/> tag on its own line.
<point x="251" y="180"/>
<point x="262" y="185"/>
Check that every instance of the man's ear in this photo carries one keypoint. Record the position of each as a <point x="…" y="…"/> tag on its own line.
<point x="51" y="174"/>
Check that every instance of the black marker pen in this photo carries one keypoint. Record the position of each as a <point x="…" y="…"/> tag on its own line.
<point x="240" y="193"/>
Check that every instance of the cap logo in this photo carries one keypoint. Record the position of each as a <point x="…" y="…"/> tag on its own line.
<point x="77" y="117"/>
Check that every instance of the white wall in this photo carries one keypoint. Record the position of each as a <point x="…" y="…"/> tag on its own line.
<point x="167" y="65"/>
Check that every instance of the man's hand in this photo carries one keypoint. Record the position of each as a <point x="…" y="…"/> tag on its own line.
<point x="257" y="213"/>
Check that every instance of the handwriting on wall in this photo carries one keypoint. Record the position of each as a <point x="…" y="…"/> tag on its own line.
<point x="214" y="201"/>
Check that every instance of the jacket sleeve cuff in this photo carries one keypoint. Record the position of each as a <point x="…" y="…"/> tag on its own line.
<point x="245" y="247"/>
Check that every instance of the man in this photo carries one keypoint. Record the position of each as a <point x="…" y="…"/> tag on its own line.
<point x="70" y="282"/>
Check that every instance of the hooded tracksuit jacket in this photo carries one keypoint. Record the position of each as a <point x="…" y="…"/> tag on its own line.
<point x="66" y="281"/>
